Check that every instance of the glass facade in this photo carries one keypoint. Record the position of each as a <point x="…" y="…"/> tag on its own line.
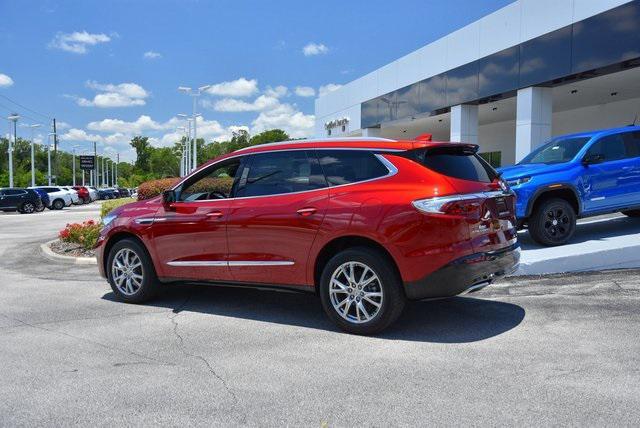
<point x="609" y="39"/>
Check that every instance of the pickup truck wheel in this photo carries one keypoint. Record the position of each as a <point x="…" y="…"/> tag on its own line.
<point x="553" y="222"/>
<point x="360" y="292"/>
<point x="632" y="213"/>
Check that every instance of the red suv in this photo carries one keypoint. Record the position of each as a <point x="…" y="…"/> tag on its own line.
<point x="366" y="224"/>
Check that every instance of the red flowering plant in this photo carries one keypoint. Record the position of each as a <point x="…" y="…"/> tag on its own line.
<point x="84" y="234"/>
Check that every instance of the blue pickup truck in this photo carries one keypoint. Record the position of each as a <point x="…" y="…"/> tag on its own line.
<point x="574" y="176"/>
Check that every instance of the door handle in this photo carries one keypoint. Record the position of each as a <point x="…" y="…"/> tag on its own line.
<point x="306" y="211"/>
<point x="215" y="214"/>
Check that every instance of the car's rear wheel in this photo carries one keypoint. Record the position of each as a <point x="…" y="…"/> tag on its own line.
<point x="553" y="222"/>
<point x="40" y="208"/>
<point x="58" y="204"/>
<point x="28" y="208"/>
<point x="632" y="213"/>
<point x="360" y="291"/>
<point x="131" y="273"/>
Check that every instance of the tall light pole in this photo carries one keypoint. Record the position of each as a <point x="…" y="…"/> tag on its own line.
<point x="194" y="94"/>
<point x="183" y="165"/>
<point x="74" y="165"/>
<point x="12" y="118"/>
<point x="49" y="157"/>
<point x="33" y="168"/>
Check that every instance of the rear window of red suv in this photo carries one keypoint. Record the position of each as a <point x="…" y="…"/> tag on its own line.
<point x="457" y="162"/>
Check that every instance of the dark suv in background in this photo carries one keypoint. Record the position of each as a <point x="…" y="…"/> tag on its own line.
<point x="25" y="201"/>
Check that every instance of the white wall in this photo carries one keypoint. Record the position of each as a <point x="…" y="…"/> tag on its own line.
<point x="520" y="21"/>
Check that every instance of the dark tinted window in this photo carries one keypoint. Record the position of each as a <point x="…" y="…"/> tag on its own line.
<point x="213" y="183"/>
<point x="546" y="57"/>
<point x="433" y="93"/>
<point x="280" y="172"/>
<point x="13" y="192"/>
<point x="346" y="166"/>
<point x="498" y="72"/>
<point x="632" y="143"/>
<point x="610" y="148"/>
<point x="457" y="162"/>
<point x="558" y="150"/>
<point x="462" y="84"/>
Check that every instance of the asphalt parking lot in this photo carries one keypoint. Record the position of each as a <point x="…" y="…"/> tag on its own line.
<point x="559" y="350"/>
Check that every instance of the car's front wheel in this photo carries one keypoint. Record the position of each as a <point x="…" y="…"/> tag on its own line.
<point x="131" y="273"/>
<point x="553" y="222"/>
<point x="360" y="291"/>
<point x="58" y="204"/>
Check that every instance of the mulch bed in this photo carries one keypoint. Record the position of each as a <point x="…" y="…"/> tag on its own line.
<point x="70" y="249"/>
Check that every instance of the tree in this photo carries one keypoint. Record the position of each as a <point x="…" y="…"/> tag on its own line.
<point x="270" y="136"/>
<point x="143" y="152"/>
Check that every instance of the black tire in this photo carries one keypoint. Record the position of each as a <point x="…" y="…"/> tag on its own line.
<point x="553" y="222"/>
<point x="28" y="207"/>
<point x="149" y="284"/>
<point x="58" y="204"/>
<point x="632" y="213"/>
<point x="389" y="283"/>
<point x="40" y="208"/>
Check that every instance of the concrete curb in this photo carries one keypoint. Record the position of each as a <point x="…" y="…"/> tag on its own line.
<point x="48" y="253"/>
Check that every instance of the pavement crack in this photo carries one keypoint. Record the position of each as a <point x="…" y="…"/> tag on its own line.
<point x="210" y="368"/>
<point x="93" y="342"/>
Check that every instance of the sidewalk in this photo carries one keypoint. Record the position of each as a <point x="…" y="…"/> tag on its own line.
<point x="606" y="242"/>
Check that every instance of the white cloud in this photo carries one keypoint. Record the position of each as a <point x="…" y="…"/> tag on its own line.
<point x="78" y="41"/>
<point x="305" y="91"/>
<point x="287" y="118"/>
<point x="143" y="123"/>
<point x="151" y="55"/>
<point x="228" y="105"/>
<point x="236" y="88"/>
<point x="120" y="95"/>
<point x="312" y="49"/>
<point x="5" y="81"/>
<point x="277" y="92"/>
<point x="329" y="87"/>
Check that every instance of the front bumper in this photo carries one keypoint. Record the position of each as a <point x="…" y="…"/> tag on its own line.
<point x="466" y="274"/>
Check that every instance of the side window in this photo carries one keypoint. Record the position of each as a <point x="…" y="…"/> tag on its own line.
<point x="610" y="148"/>
<point x="214" y="183"/>
<point x="280" y="172"/>
<point x="350" y="166"/>
<point x="632" y="143"/>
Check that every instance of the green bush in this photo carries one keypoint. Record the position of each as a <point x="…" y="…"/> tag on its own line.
<point x="109" y="206"/>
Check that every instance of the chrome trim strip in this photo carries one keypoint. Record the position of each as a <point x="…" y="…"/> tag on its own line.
<point x="260" y="263"/>
<point x="221" y="263"/>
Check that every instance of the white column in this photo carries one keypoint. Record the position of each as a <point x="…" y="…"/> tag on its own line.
<point x="372" y="132"/>
<point x="464" y="123"/>
<point x="533" y="119"/>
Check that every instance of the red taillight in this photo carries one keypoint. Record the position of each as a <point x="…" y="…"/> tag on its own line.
<point x="464" y="208"/>
<point x="466" y="205"/>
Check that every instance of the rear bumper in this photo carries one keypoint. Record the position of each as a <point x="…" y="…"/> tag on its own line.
<point x="466" y="274"/>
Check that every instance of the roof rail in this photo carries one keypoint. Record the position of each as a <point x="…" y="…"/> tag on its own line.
<point x="317" y="140"/>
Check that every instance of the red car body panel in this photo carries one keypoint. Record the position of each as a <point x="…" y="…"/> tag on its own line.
<point x="292" y="229"/>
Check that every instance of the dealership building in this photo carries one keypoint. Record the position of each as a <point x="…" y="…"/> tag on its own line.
<point x="508" y="82"/>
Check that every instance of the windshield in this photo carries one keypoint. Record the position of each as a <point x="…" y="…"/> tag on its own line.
<point x="558" y="150"/>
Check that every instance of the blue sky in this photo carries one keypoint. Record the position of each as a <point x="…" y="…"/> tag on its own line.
<point x="110" y="69"/>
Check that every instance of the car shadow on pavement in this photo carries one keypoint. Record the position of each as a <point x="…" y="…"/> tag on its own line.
<point x="455" y="320"/>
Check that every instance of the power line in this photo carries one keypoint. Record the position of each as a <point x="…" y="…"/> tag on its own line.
<point x="26" y="108"/>
<point x="10" y="110"/>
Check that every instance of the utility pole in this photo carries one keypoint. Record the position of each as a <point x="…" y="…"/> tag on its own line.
<point x="73" y="166"/>
<point x="117" y="164"/>
<point x="49" y="158"/>
<point x="12" y="118"/>
<point x="195" y="94"/>
<point x="55" y="149"/>
<point x="104" y="182"/>
<point x="33" y="168"/>
<point x="94" y="173"/>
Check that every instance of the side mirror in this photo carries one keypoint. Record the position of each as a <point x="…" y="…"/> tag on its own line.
<point x="168" y="197"/>
<point x="592" y="159"/>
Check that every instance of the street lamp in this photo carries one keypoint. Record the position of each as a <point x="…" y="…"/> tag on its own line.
<point x="195" y="94"/>
<point x="74" y="165"/>
<point x="33" y="170"/>
<point x="49" y="157"/>
<point x="12" y="118"/>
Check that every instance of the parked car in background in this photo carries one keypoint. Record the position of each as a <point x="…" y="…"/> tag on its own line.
<point x="365" y="224"/>
<point x="575" y="176"/>
<point x="75" y="198"/>
<point x="25" y="201"/>
<point x="93" y="193"/>
<point x="59" y="198"/>
<point x="44" y="197"/>
<point x="113" y="192"/>
<point x="133" y="193"/>
<point x="123" y="193"/>
<point x="83" y="193"/>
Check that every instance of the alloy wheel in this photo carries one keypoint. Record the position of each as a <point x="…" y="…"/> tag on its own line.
<point x="356" y="293"/>
<point x="556" y="223"/>
<point x="126" y="271"/>
<point x="28" y="208"/>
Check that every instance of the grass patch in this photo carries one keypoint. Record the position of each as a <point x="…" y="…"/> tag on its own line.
<point x="111" y="205"/>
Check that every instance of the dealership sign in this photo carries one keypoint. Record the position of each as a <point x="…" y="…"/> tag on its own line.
<point x="87" y="162"/>
<point x="336" y="123"/>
